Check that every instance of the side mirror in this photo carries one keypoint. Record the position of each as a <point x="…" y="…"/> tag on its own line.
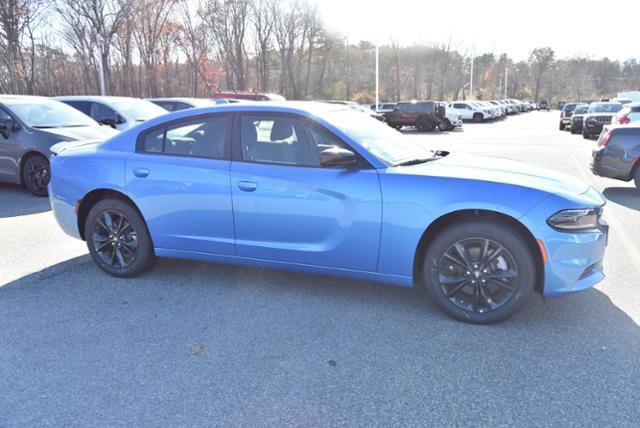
<point x="337" y="157"/>
<point x="110" y="121"/>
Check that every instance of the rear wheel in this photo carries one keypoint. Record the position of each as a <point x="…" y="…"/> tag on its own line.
<point x="479" y="272"/>
<point x="118" y="239"/>
<point x="424" y="124"/>
<point x="36" y="174"/>
<point x="445" y="125"/>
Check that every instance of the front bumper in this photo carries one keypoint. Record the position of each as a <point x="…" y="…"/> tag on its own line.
<point x="592" y="128"/>
<point x="574" y="259"/>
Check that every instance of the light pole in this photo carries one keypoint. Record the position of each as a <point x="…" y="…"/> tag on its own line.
<point x="506" y="81"/>
<point x="100" y="42"/>
<point x="377" y="75"/>
<point x="471" y="81"/>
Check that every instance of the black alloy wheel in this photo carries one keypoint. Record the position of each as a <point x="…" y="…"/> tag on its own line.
<point x="479" y="271"/>
<point x="36" y="175"/>
<point x="118" y="239"/>
<point x="477" y="275"/>
<point x="115" y="239"/>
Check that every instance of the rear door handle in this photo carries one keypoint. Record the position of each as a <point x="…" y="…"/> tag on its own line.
<point x="247" y="186"/>
<point x="140" y="172"/>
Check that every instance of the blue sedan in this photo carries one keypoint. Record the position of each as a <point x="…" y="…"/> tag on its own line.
<point x="324" y="189"/>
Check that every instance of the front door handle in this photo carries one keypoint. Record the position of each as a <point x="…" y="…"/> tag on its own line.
<point x="247" y="186"/>
<point x="140" y="172"/>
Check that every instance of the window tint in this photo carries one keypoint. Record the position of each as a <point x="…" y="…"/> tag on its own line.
<point x="101" y="112"/>
<point x="407" y="108"/>
<point x="83" y="106"/>
<point x="180" y="106"/>
<point x="168" y="106"/>
<point x="283" y="140"/>
<point x="153" y="141"/>
<point x="4" y="115"/>
<point x="460" y="106"/>
<point x="203" y="137"/>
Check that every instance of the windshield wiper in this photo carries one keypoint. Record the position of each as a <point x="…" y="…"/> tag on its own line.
<point x="436" y="155"/>
<point x="44" y="126"/>
<point x="415" y="161"/>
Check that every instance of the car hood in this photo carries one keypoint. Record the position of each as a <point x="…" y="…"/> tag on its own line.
<point x="81" y="132"/>
<point x="499" y="170"/>
<point x="588" y="115"/>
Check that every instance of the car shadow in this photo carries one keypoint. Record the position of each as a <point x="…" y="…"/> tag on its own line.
<point x="625" y="196"/>
<point x="16" y="201"/>
<point x="193" y="330"/>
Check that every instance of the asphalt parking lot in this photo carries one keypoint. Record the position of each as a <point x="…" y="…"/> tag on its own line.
<point x="203" y="344"/>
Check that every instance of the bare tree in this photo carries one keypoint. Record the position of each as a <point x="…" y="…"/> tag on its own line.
<point x="541" y="60"/>
<point x="263" y="21"/>
<point x="228" y="21"/>
<point x="15" y="18"/>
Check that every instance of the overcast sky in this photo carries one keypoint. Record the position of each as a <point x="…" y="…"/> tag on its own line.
<point x="570" y="27"/>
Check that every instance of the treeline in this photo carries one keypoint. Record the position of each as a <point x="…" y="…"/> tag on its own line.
<point x="187" y="48"/>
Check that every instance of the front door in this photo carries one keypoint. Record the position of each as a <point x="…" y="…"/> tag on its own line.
<point x="179" y="177"/>
<point x="289" y="208"/>
<point x="9" y="150"/>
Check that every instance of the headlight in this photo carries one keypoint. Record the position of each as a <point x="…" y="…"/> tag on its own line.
<point x="575" y="219"/>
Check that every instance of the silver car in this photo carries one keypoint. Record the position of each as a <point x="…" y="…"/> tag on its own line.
<point x="29" y="126"/>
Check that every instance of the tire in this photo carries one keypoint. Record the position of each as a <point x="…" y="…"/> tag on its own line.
<point x="445" y="125"/>
<point x="585" y="135"/>
<point x="478" y="117"/>
<point x="133" y="252"/>
<point x="36" y="174"/>
<point x="424" y="124"/>
<point x="636" y="178"/>
<point x="574" y="130"/>
<point x="502" y="294"/>
<point x="561" y="126"/>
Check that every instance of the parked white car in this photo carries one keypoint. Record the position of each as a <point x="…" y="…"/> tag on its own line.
<point x="629" y="114"/>
<point x="470" y="111"/>
<point x="118" y="112"/>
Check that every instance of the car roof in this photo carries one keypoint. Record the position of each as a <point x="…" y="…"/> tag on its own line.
<point x="186" y="100"/>
<point x="94" y="98"/>
<point x="16" y="99"/>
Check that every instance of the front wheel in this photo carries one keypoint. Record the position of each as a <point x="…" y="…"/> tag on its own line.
<point x="477" y="118"/>
<point x="479" y="272"/>
<point x="636" y="178"/>
<point x="118" y="239"/>
<point x="561" y="126"/>
<point x="36" y="174"/>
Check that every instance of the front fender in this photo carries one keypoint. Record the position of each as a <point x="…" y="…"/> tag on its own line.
<point x="412" y="203"/>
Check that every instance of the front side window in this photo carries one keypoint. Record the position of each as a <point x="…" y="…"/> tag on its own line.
<point x="101" y="113"/>
<point x="283" y="140"/>
<point x="202" y="137"/>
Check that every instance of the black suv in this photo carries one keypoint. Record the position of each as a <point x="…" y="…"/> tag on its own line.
<point x="565" y="115"/>
<point x="424" y="115"/>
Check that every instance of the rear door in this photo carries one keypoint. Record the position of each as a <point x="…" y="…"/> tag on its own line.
<point x="179" y="177"/>
<point x="288" y="208"/>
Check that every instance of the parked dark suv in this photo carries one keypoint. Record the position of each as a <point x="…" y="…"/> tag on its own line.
<point x="565" y="115"/>
<point x="577" y="117"/>
<point x="617" y="153"/>
<point x="424" y="115"/>
<point x="598" y="115"/>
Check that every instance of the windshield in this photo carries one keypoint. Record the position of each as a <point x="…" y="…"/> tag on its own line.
<point x="136" y="109"/>
<point x="581" y="109"/>
<point x="49" y="114"/>
<point x="605" y="108"/>
<point x="382" y="141"/>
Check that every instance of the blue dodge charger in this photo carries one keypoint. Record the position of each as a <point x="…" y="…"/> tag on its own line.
<point x="324" y="189"/>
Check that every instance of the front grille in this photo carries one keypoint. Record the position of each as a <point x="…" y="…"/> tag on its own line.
<point x="603" y="119"/>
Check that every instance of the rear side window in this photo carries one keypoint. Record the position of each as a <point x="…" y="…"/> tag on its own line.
<point x="201" y="137"/>
<point x="83" y="106"/>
